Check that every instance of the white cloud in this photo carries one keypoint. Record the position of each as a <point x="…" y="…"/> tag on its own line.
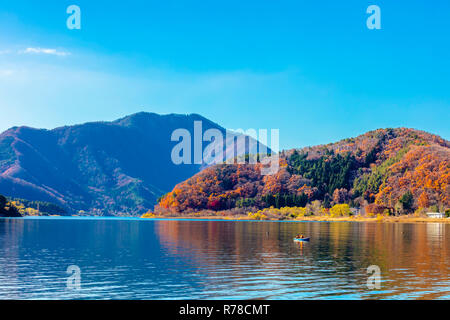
<point x="44" y="51"/>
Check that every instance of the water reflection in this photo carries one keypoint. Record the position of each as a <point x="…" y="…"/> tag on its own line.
<point x="413" y="258"/>
<point x="148" y="259"/>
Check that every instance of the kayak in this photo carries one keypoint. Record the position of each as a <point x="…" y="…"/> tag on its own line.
<point x="301" y="239"/>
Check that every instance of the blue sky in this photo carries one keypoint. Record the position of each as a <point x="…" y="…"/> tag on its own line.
<point x="309" y="68"/>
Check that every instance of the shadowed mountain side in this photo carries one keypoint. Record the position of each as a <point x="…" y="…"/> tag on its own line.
<point x="101" y="168"/>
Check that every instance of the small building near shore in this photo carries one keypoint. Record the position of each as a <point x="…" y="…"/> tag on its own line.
<point x="435" y="215"/>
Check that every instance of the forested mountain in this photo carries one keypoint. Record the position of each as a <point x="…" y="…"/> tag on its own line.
<point x="394" y="170"/>
<point x="99" y="168"/>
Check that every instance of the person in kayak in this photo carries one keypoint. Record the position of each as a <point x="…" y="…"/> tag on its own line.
<point x="300" y="236"/>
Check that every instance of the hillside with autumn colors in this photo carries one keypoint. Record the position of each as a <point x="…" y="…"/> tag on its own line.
<point x="390" y="171"/>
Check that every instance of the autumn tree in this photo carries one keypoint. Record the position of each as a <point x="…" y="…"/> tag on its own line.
<point x="340" y="210"/>
<point x="423" y="200"/>
<point x="340" y="196"/>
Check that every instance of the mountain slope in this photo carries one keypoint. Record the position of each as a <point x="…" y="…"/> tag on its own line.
<point x="118" y="167"/>
<point x="396" y="169"/>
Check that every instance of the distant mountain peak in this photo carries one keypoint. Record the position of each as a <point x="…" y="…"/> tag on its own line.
<point x="103" y="167"/>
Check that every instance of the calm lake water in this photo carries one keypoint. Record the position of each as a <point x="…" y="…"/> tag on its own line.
<point x="182" y="259"/>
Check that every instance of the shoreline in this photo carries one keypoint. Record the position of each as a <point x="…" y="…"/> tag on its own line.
<point x="389" y="219"/>
<point x="399" y="219"/>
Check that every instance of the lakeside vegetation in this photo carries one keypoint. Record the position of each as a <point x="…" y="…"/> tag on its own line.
<point x="21" y="207"/>
<point x="312" y="212"/>
<point x="7" y="209"/>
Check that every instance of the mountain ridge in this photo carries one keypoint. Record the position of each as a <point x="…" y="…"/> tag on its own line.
<point x="104" y="167"/>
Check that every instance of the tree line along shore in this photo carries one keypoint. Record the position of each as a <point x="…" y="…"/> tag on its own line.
<point x="311" y="212"/>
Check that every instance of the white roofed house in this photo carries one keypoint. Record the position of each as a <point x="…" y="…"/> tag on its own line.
<point x="435" y="215"/>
